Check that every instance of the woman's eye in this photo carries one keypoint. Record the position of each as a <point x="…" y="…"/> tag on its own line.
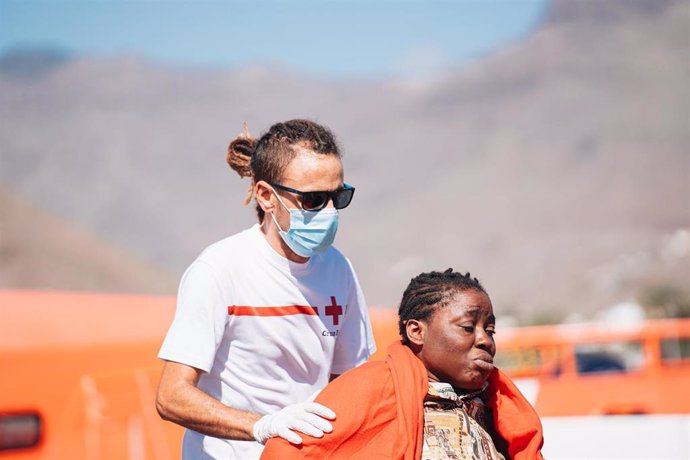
<point x="491" y="332"/>
<point x="468" y="328"/>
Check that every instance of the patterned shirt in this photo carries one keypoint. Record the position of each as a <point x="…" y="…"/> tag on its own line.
<point x="457" y="427"/>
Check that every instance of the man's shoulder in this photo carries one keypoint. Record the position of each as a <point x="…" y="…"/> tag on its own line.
<point x="230" y="248"/>
<point x="332" y="257"/>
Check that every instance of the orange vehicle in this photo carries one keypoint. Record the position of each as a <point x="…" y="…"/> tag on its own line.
<point x="591" y="369"/>
<point x="79" y="372"/>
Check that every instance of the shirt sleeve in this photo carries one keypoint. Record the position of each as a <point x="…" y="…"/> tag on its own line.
<point x="355" y="341"/>
<point x="200" y="318"/>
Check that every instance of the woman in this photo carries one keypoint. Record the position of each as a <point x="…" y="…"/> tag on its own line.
<point x="265" y="317"/>
<point x="437" y="395"/>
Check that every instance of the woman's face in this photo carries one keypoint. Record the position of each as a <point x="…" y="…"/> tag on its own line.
<point x="457" y="341"/>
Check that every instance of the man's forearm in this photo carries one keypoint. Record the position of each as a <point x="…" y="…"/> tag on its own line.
<point x="180" y="401"/>
<point x="190" y="407"/>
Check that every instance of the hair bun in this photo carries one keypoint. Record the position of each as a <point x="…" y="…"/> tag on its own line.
<point x="240" y="153"/>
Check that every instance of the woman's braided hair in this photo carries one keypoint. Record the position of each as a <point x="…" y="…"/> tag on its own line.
<point x="266" y="158"/>
<point x="428" y="291"/>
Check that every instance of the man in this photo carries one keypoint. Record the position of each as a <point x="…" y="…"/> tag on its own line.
<point x="266" y="317"/>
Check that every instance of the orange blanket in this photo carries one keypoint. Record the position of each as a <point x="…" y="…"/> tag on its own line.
<point x="380" y="415"/>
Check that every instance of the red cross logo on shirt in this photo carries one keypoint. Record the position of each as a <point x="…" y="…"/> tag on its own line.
<point x="334" y="310"/>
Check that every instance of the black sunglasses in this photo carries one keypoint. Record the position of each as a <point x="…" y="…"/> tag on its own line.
<point x="316" y="201"/>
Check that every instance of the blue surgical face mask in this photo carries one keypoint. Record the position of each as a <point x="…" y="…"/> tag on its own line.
<point x="311" y="232"/>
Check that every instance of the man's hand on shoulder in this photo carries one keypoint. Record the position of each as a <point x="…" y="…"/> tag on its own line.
<point x="309" y="418"/>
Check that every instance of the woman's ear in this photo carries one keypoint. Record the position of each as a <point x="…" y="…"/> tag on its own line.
<point x="416" y="331"/>
<point x="264" y="194"/>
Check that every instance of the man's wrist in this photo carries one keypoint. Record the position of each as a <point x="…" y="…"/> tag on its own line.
<point x="259" y="431"/>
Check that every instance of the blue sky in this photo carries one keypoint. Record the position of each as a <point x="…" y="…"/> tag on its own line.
<point x="353" y="38"/>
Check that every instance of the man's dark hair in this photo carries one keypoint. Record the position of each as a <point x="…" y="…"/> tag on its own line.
<point x="266" y="158"/>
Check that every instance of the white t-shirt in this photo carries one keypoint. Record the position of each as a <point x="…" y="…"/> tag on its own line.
<point x="268" y="332"/>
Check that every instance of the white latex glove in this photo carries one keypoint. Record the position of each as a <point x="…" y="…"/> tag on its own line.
<point x="308" y="418"/>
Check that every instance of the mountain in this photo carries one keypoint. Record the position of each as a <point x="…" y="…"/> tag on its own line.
<point x="556" y="169"/>
<point x="37" y="250"/>
<point x="31" y="62"/>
